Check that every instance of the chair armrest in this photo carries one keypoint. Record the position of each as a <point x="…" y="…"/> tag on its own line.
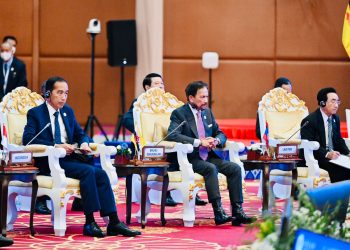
<point x="185" y="166"/>
<point x="311" y="162"/>
<point x="59" y="179"/>
<point x="234" y="148"/>
<point x="105" y="153"/>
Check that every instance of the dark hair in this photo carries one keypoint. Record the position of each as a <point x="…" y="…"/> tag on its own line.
<point x="193" y="87"/>
<point x="322" y="94"/>
<point x="282" y="81"/>
<point x="148" y="79"/>
<point x="50" y="83"/>
<point x="9" y="37"/>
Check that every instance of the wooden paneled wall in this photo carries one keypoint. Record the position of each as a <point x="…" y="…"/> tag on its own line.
<point x="64" y="48"/>
<point x="257" y="41"/>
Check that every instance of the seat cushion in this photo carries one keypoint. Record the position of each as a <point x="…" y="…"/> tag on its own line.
<point x="302" y="172"/>
<point x="46" y="182"/>
<point x="199" y="179"/>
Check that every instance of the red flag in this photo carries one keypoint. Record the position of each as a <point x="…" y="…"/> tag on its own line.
<point x="4" y="140"/>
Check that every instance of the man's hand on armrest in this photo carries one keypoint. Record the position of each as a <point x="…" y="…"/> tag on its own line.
<point x="68" y="147"/>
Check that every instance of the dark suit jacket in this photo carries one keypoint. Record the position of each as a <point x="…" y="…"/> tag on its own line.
<point x="17" y="76"/>
<point x="38" y="117"/>
<point x="315" y="131"/>
<point x="128" y="118"/>
<point x="188" y="131"/>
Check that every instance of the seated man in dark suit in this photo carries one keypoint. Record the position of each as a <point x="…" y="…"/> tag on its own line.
<point x="150" y="81"/>
<point x="13" y="71"/>
<point x="324" y="127"/>
<point x="202" y="131"/>
<point x="96" y="191"/>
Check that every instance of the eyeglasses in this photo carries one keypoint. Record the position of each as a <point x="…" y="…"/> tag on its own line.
<point x="333" y="101"/>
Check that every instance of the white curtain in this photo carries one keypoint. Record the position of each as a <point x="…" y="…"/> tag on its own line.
<point x="149" y="29"/>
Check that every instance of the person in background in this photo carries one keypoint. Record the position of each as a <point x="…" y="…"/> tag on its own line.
<point x="202" y="131"/>
<point x="13" y="72"/>
<point x="283" y="83"/>
<point x="65" y="132"/>
<point x="153" y="80"/>
<point x="324" y="127"/>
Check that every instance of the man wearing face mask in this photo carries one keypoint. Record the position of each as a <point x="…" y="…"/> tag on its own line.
<point x="13" y="71"/>
<point x="202" y="131"/>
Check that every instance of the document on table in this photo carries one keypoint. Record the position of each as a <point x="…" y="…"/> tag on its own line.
<point x="343" y="161"/>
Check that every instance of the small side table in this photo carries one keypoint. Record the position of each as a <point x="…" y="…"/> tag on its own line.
<point x="266" y="167"/>
<point x="27" y="175"/>
<point x="125" y="170"/>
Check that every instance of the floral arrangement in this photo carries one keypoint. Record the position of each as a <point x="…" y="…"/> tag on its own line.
<point x="123" y="155"/>
<point x="306" y="217"/>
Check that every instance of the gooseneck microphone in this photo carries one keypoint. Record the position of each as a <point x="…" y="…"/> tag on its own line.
<point x="46" y="126"/>
<point x="182" y="123"/>
<point x="306" y="123"/>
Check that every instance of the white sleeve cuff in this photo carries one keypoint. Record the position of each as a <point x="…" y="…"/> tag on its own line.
<point x="196" y="143"/>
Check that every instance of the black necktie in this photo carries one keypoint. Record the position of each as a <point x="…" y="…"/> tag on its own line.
<point x="57" y="129"/>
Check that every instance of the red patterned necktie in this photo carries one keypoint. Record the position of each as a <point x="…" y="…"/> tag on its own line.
<point x="203" y="151"/>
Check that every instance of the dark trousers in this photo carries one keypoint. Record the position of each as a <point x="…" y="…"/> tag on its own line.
<point x="336" y="173"/>
<point x="210" y="169"/>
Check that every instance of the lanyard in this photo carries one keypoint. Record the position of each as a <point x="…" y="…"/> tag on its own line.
<point x="6" y="76"/>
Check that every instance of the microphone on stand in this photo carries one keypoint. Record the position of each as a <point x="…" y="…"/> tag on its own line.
<point x="182" y="123"/>
<point x="46" y="126"/>
<point x="306" y="123"/>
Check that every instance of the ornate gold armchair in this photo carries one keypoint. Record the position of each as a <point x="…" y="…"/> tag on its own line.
<point x="151" y="113"/>
<point x="284" y="112"/>
<point x="58" y="187"/>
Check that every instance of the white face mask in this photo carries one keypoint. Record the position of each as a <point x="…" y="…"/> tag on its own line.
<point x="6" y="56"/>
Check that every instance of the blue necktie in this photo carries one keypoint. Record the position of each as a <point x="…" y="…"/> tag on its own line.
<point x="203" y="151"/>
<point x="330" y="131"/>
<point x="57" y="129"/>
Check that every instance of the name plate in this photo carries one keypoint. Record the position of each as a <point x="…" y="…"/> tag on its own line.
<point x="287" y="151"/>
<point x="20" y="158"/>
<point x="153" y="152"/>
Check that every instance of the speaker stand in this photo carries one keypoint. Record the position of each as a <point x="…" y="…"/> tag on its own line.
<point x="119" y="124"/>
<point x="90" y="121"/>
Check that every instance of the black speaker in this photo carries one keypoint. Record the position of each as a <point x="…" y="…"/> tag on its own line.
<point x="121" y="35"/>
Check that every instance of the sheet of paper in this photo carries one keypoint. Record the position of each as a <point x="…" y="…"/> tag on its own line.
<point x="343" y="161"/>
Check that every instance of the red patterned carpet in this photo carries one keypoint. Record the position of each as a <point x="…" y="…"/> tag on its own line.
<point x="204" y="235"/>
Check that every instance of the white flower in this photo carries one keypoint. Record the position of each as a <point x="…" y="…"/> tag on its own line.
<point x="119" y="147"/>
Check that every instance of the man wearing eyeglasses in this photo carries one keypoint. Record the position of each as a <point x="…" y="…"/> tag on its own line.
<point x="324" y="127"/>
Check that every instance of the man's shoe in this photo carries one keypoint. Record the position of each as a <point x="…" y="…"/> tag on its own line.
<point x="200" y="202"/>
<point x="77" y="205"/>
<point x="169" y="200"/>
<point x="41" y="207"/>
<point x="220" y="217"/>
<point x="4" y="242"/>
<point x="93" y="230"/>
<point x="121" y="228"/>
<point x="239" y="217"/>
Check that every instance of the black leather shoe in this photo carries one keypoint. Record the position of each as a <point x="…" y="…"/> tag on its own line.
<point x="4" y="242"/>
<point x="93" y="230"/>
<point x="41" y="207"/>
<point x="77" y="205"/>
<point x="221" y="217"/>
<point x="169" y="201"/>
<point x="200" y="202"/>
<point x="121" y="228"/>
<point x="239" y="217"/>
